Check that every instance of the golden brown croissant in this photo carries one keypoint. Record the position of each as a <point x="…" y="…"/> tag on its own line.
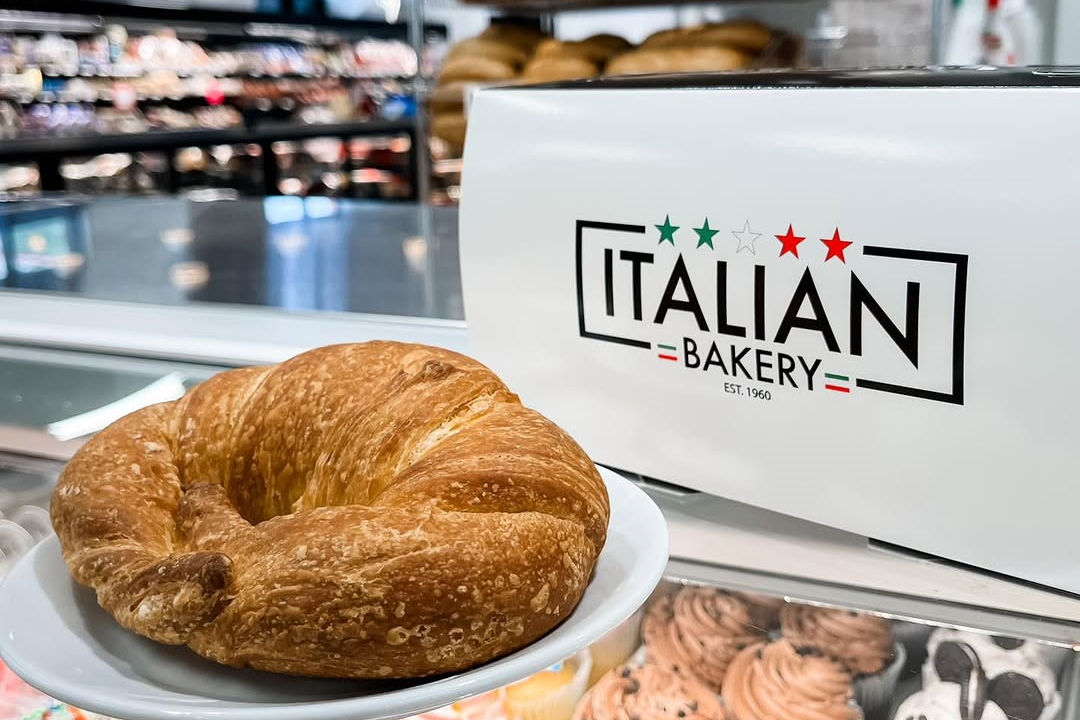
<point x="370" y="510"/>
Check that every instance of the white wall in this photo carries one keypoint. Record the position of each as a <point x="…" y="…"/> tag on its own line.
<point x="1067" y="33"/>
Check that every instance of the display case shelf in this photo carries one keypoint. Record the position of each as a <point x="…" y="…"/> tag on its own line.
<point x="90" y="16"/>
<point x="92" y="144"/>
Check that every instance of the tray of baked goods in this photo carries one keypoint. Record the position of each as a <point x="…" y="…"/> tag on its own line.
<point x="513" y="53"/>
<point x="364" y="531"/>
<point x="696" y="652"/>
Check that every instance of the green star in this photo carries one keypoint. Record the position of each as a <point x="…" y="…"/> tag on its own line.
<point x="705" y="235"/>
<point x="667" y="230"/>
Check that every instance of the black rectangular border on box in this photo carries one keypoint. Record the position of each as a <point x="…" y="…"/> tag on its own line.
<point x="956" y="397"/>
<point x="583" y="225"/>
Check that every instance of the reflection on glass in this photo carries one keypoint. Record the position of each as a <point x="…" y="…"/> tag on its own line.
<point x="44" y="245"/>
<point x="209" y="246"/>
<point x="307" y="254"/>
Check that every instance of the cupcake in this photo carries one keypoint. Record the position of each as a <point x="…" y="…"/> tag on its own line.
<point x="486" y="706"/>
<point x="553" y="693"/>
<point x="948" y="701"/>
<point x="615" y="648"/>
<point x="1024" y="687"/>
<point x="863" y="643"/>
<point x="63" y="711"/>
<point x="649" y="692"/>
<point x="764" y="609"/>
<point x="697" y="632"/>
<point x="775" y="681"/>
<point x="17" y="699"/>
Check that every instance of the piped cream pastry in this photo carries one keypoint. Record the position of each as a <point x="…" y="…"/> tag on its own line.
<point x="649" y="692"/>
<point x="863" y="643"/>
<point x="774" y="681"/>
<point x="698" y="631"/>
<point x="764" y="609"/>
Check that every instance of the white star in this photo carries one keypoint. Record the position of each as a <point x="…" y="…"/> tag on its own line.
<point x="746" y="238"/>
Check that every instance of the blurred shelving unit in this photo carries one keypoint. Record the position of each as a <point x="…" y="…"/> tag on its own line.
<point x="143" y="99"/>
<point x="834" y="33"/>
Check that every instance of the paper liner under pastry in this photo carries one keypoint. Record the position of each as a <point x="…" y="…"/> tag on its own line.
<point x="616" y="647"/>
<point x="913" y="636"/>
<point x="557" y="703"/>
<point x="874" y="693"/>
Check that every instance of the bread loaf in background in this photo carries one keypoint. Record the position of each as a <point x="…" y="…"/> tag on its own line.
<point x="679" y="59"/>
<point x="507" y="52"/>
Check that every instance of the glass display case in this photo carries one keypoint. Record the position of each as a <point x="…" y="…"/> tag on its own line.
<point x="112" y="304"/>
<point x="712" y="644"/>
<point x="761" y="617"/>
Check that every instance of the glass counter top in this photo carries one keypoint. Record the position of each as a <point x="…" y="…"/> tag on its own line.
<point x="295" y="254"/>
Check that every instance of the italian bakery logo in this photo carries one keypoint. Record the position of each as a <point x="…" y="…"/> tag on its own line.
<point x="765" y="310"/>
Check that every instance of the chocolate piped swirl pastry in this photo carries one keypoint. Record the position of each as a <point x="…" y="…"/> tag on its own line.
<point x="649" y="692"/>
<point x="863" y="643"/>
<point x="698" y="631"/>
<point x="775" y="681"/>
<point x="764" y="609"/>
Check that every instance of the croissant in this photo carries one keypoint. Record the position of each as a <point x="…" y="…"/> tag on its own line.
<point x="375" y="510"/>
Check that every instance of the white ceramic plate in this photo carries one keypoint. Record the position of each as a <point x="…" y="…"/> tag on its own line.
<point x="54" y="636"/>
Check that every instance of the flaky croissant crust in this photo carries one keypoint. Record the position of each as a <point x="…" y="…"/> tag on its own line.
<point x="367" y="510"/>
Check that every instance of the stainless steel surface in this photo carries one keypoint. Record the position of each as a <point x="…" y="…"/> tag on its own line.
<point x="39" y="388"/>
<point x="1070" y="690"/>
<point x="939" y="13"/>
<point x="203" y="333"/>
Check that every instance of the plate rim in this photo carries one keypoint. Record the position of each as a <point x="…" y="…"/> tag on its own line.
<point x="467" y="684"/>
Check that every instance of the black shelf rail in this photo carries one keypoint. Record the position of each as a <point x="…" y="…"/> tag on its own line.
<point x="49" y="152"/>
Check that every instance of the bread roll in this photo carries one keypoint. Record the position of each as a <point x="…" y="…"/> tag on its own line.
<point x="449" y="126"/>
<point x="611" y="44"/>
<point x="475" y="69"/>
<point x="447" y="98"/>
<point x="554" y="69"/>
<point x="748" y="35"/>
<point x="670" y="60"/>
<point x="664" y="38"/>
<point x="594" y="53"/>
<point x="375" y="510"/>
<point x="523" y="36"/>
<point x="485" y="48"/>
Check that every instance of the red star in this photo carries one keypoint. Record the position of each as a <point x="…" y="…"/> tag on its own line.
<point x="791" y="242"/>
<point x="836" y="246"/>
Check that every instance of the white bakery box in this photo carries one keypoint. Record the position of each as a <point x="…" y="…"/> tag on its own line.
<point x="662" y="266"/>
<point x="837" y="297"/>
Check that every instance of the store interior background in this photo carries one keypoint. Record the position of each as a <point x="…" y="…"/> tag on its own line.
<point x="325" y="184"/>
<point x="159" y="225"/>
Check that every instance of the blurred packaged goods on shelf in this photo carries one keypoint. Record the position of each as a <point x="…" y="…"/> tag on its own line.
<point x="59" y="56"/>
<point x="111" y="173"/>
<point x="111" y="78"/>
<point x="19" y="180"/>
